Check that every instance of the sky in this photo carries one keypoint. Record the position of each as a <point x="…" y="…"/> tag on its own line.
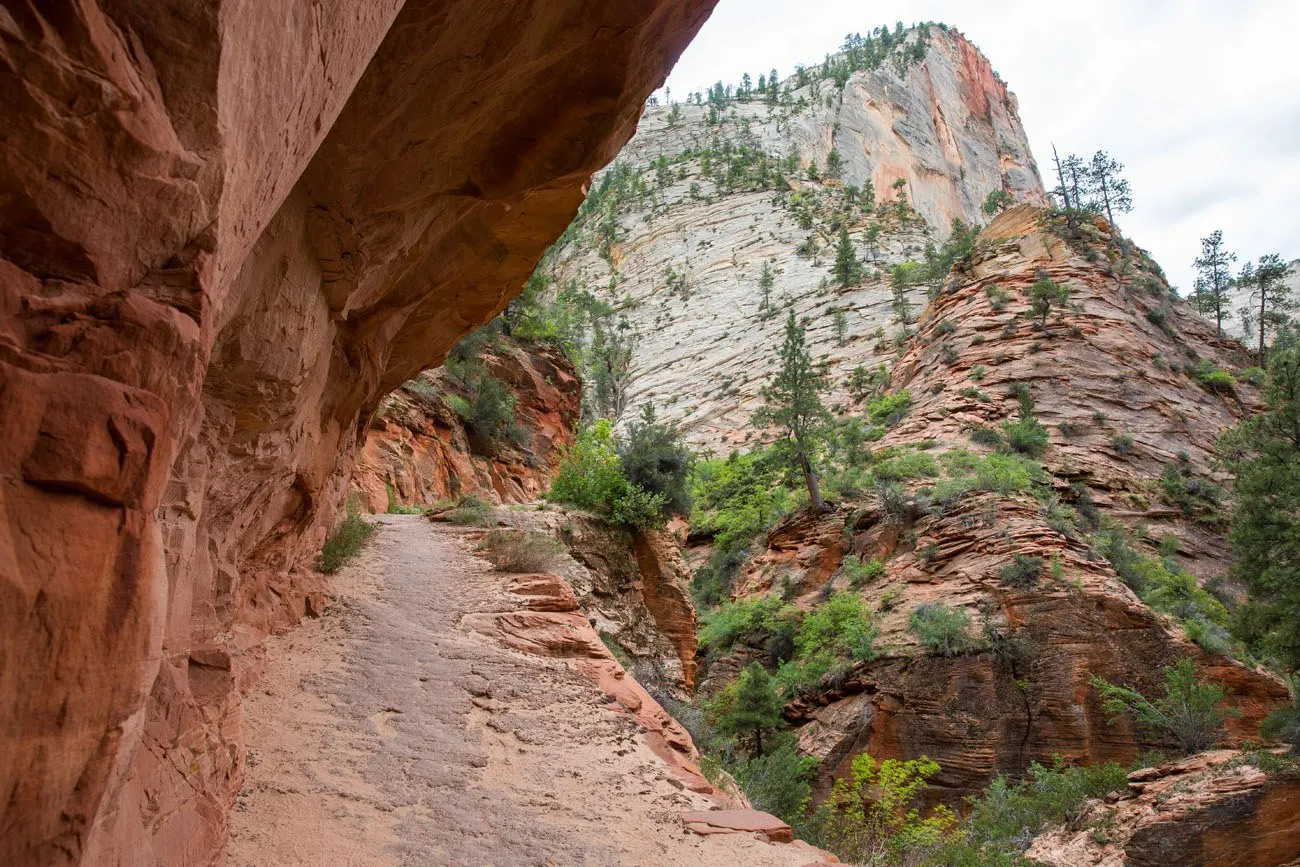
<point x="1200" y="100"/>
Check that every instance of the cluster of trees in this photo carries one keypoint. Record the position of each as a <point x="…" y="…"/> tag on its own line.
<point x="1270" y="296"/>
<point x="1264" y="453"/>
<point x="1095" y="186"/>
<point x="635" y="481"/>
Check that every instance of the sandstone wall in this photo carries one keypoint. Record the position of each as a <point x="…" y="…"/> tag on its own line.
<point x="226" y="230"/>
<point x="1116" y="361"/>
<point x="418" y="451"/>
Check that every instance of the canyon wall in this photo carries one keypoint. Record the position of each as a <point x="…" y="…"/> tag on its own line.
<point x="226" y="231"/>
<point x="1111" y="374"/>
<point x="419" y="450"/>
<point x="691" y="240"/>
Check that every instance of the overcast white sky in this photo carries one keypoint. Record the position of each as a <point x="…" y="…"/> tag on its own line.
<point x="1200" y="99"/>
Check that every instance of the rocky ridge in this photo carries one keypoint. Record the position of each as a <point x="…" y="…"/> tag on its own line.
<point x="683" y="260"/>
<point x="1093" y="372"/>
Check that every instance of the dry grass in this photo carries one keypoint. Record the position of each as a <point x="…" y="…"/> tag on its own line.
<point x="516" y="551"/>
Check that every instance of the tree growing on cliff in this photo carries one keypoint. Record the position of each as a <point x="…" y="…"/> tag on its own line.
<point x="766" y="280"/>
<point x="1270" y="298"/>
<point x="793" y="403"/>
<point x="1214" y="270"/>
<point x="1191" y="712"/>
<point x="1264" y="453"/>
<point x="997" y="202"/>
<point x="655" y="459"/>
<point x="1045" y="296"/>
<point x="1111" y="192"/>
<point x="834" y="164"/>
<point x="749" y="707"/>
<point x="848" y="268"/>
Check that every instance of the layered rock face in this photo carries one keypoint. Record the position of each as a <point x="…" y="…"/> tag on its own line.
<point x="419" y="450"/>
<point x="1111" y="376"/>
<point x="712" y="204"/>
<point x="1213" y="808"/>
<point x="227" y="231"/>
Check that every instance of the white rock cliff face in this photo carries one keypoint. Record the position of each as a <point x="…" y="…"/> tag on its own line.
<point x="689" y="249"/>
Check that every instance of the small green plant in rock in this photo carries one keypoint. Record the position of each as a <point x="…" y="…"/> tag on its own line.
<point x="861" y="572"/>
<point x="943" y="629"/>
<point x="1024" y="571"/>
<point x="346" y="540"/>
<point x="888" y="410"/>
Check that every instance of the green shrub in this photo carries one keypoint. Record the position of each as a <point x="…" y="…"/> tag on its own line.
<point x="472" y="510"/>
<point x="1122" y="443"/>
<point x="491" y="410"/>
<point x="740" y="621"/>
<point x="943" y="629"/>
<point x="1191" y="712"/>
<point x="1006" y="474"/>
<point x="875" y="816"/>
<point x="459" y="405"/>
<point x="1008" y="814"/>
<point x="1168" y="589"/>
<point x="346" y="540"/>
<point x="1026" y="436"/>
<point x="1189" y="494"/>
<point x="986" y="436"/>
<point x="906" y="465"/>
<point x="861" y="573"/>
<point x="1023" y="571"/>
<point x="889" y="409"/>
<point x="655" y="459"/>
<point x="839" y="628"/>
<point x="944" y="327"/>
<point x="735" y="498"/>
<point x="591" y="477"/>
<point x="521" y="551"/>
<point x="779" y="781"/>
<point x="1211" y="378"/>
<point x="1284" y="724"/>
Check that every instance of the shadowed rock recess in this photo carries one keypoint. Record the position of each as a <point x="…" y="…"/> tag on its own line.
<point x="226" y="230"/>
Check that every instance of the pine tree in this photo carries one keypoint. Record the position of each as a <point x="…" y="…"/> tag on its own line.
<point x="834" y="164"/>
<point x="1214" y="268"/>
<point x="793" y="403"/>
<point x="1046" y="296"/>
<point x="848" y="270"/>
<point x="766" y="281"/>
<point x="752" y="706"/>
<point x="1106" y="182"/>
<point x="1264" y="452"/>
<point x="1270" y="297"/>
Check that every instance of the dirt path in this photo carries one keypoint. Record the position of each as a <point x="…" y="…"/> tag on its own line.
<point x="388" y="733"/>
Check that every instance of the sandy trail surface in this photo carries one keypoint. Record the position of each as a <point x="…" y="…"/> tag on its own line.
<point x="389" y="733"/>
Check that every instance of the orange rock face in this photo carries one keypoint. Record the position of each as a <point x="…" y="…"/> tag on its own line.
<point x="227" y="230"/>
<point x="1209" y="809"/>
<point x="418" y="451"/>
<point x="1106" y="366"/>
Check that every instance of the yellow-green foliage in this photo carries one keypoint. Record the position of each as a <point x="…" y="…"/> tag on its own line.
<point x="874" y="816"/>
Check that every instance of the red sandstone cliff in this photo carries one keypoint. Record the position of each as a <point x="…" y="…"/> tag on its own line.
<point x="1117" y="362"/>
<point x="226" y="231"/>
<point x="418" y="450"/>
